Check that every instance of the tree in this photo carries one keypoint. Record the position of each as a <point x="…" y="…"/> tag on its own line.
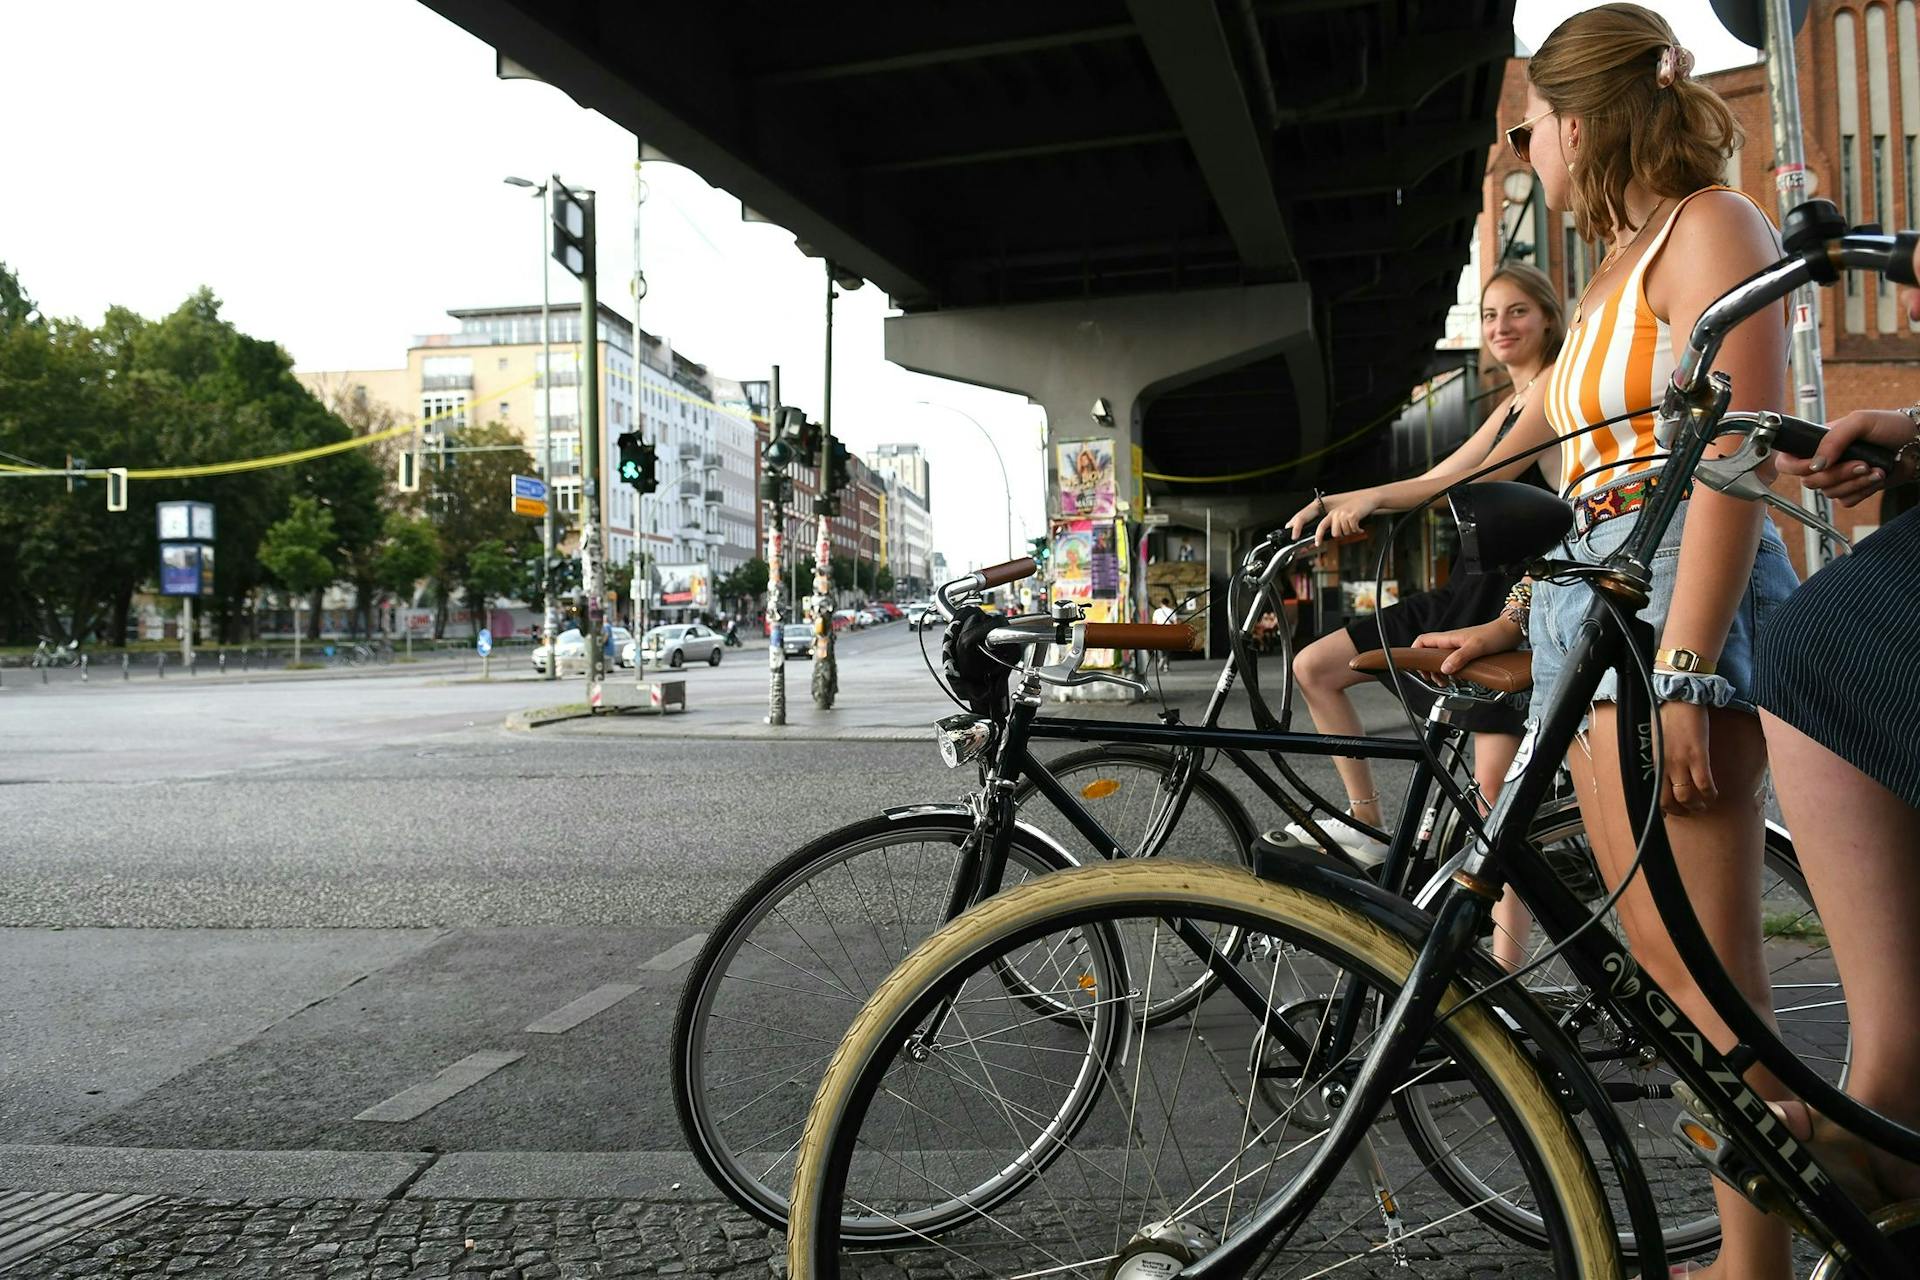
<point x="492" y="570"/>
<point x="468" y="498"/>
<point x="744" y="587"/>
<point x="883" y="583"/>
<point x="294" y="551"/>
<point x="409" y="550"/>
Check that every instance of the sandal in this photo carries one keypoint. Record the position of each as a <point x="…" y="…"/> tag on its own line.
<point x="1847" y="1157"/>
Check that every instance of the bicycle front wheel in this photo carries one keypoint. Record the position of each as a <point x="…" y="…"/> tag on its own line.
<point x="784" y="971"/>
<point x="1146" y="802"/>
<point x="942" y="1103"/>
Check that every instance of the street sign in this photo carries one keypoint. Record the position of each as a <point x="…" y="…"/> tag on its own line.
<point x="529" y="496"/>
<point x="483" y="643"/>
<point x="183" y="521"/>
<point x="186" y="569"/>
<point x="1154" y="519"/>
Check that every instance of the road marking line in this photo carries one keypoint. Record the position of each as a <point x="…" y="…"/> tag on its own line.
<point x="412" y="1103"/>
<point x="677" y="954"/>
<point x="570" y="1015"/>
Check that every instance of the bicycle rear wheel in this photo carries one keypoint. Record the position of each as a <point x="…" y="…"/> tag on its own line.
<point x="940" y="1104"/>
<point x="784" y="971"/>
<point x="1807" y="1000"/>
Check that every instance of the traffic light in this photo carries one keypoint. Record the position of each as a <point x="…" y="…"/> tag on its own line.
<point x="76" y="473"/>
<point x="637" y="462"/>
<point x="791" y="425"/>
<point x="837" y="474"/>
<point x="1041" y="549"/>
<point x="573" y="229"/>
<point x="116" y="488"/>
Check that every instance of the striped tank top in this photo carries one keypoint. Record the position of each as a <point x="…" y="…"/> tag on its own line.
<point x="1616" y="358"/>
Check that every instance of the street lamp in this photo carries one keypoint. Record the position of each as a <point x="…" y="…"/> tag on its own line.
<point x="1007" y="485"/>
<point x="539" y="190"/>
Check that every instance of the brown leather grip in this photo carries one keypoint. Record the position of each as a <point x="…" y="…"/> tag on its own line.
<point x="1171" y="637"/>
<point x="1012" y="571"/>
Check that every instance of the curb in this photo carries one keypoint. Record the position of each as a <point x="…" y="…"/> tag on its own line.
<point x="361" y="1175"/>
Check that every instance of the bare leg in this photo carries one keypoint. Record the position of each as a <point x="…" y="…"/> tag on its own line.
<point x="1512" y="922"/>
<point x="1858" y="844"/>
<point x="1324" y="678"/>
<point x="1719" y="855"/>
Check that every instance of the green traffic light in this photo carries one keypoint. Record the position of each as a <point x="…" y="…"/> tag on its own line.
<point x="629" y="470"/>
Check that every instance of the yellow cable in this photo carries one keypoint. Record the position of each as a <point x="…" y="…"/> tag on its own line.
<point x="278" y="459"/>
<point x="1305" y="457"/>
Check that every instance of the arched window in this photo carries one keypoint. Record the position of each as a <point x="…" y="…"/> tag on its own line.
<point x="1880" y="119"/>
<point x="1847" y="85"/>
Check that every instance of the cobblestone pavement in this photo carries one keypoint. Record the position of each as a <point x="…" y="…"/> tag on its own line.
<point x="528" y="1240"/>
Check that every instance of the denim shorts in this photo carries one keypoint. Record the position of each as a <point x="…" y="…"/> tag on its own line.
<point x="1558" y="609"/>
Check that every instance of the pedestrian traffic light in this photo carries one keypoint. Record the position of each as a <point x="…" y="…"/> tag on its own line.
<point x="116" y="488"/>
<point x="792" y="426"/>
<point x="637" y="462"/>
<point x="573" y="229"/>
<point x="1041" y="550"/>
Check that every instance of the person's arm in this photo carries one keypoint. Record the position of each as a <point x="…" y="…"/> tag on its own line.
<point x="1341" y="514"/>
<point x="1848" y="483"/>
<point x="1719" y="240"/>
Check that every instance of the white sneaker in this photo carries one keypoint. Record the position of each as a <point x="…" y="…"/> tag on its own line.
<point x="1360" y="846"/>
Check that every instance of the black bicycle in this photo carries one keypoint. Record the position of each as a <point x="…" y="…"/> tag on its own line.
<point x="785" y="968"/>
<point x="1005" y="1143"/>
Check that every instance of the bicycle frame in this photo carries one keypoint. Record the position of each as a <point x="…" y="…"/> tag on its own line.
<point x="1765" y="1163"/>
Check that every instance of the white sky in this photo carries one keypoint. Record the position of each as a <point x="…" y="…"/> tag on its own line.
<point x="333" y="172"/>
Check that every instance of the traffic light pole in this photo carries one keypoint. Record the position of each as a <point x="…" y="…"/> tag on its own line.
<point x="589" y="391"/>
<point x="826" y="674"/>
<point x="776" y="550"/>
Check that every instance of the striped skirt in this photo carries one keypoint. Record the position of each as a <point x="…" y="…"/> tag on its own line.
<point x="1840" y="661"/>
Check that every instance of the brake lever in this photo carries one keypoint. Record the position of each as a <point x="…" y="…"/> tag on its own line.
<point x="1734" y="476"/>
<point x="1099" y="677"/>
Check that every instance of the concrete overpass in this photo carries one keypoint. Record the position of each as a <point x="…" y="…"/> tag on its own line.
<point x="1237" y="222"/>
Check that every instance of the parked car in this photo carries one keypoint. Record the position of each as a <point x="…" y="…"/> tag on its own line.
<point x="845" y="618"/>
<point x="922" y="614"/>
<point x="676" y="646"/>
<point x="868" y="617"/>
<point x="796" y="639"/>
<point x="891" y="609"/>
<point x="572" y="646"/>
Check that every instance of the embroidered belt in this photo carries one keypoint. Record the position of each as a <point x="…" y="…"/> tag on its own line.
<point x="1602" y="505"/>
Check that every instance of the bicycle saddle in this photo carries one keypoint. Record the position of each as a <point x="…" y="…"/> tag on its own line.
<point x="1500" y="672"/>
<point x="1504" y="524"/>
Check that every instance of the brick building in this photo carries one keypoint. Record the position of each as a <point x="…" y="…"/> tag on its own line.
<point x="1859" y="76"/>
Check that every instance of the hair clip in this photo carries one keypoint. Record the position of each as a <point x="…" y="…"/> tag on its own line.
<point x="1675" y="64"/>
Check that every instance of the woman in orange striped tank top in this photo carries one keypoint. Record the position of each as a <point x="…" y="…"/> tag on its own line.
<point x="1623" y="138"/>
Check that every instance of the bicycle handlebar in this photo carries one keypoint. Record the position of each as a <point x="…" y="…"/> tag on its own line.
<point x="1162" y="637"/>
<point x="1802" y="439"/>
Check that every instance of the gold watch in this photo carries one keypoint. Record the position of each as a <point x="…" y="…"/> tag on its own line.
<point x="1685" y="661"/>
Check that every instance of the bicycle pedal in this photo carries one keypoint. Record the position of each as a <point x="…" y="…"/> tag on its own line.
<point x="1727" y="1163"/>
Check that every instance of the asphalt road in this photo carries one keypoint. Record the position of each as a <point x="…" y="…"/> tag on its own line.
<point x="238" y="914"/>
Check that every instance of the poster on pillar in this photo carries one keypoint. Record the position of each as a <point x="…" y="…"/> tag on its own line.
<point x="1085" y="468"/>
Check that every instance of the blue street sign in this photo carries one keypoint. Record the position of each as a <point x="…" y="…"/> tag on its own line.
<point x="483" y="643"/>
<point x="529" y="487"/>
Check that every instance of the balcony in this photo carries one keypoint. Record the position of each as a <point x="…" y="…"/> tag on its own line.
<point x="689" y="487"/>
<point x="712" y="461"/>
<point x="689" y="451"/>
<point x="447" y="382"/>
<point x="561" y="378"/>
<point x="716" y="497"/>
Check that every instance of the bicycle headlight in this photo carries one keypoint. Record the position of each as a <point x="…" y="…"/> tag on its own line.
<point x="1504" y="523"/>
<point x="963" y="738"/>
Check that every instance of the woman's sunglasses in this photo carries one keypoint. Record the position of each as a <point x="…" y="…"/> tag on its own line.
<point x="1520" y="137"/>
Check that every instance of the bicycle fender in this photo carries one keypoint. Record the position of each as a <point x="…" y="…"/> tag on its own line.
<point x="1568" y="1073"/>
<point x="902" y="812"/>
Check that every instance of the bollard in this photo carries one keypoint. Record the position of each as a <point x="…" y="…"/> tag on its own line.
<point x="43" y="675"/>
<point x="85" y="661"/>
<point x="126" y="666"/>
<point x="223" y="662"/>
<point x="160" y="665"/>
<point x="193" y="663"/>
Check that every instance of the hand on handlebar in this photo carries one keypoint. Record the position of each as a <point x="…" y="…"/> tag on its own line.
<point x="1337" y="515"/>
<point x="1849" y="482"/>
<point x="1499" y="636"/>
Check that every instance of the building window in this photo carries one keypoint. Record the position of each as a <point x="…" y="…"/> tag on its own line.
<point x="502" y="363"/>
<point x="1846" y="79"/>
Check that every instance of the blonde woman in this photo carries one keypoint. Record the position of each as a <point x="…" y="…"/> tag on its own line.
<point x="1623" y="137"/>
<point x="1521" y="326"/>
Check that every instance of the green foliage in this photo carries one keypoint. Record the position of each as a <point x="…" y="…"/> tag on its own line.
<point x="468" y="496"/>
<point x="409" y="550"/>
<point x="749" y="581"/>
<point x="183" y="390"/>
<point x="294" y="550"/>
<point x="492" y="570"/>
<point x="883" y="580"/>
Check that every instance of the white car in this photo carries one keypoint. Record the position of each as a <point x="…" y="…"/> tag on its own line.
<point x="869" y="618"/>
<point x="570" y="646"/>
<point x="922" y="614"/>
<point x="677" y="645"/>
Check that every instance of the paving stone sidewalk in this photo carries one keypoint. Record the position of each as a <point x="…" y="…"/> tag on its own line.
<point x="526" y="1240"/>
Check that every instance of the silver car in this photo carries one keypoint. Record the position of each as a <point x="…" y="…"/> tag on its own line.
<point x="678" y="645"/>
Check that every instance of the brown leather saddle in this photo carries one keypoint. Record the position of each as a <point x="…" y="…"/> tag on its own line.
<point x="1498" y="672"/>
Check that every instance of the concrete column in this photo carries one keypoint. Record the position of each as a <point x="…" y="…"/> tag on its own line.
<point x="1127" y="351"/>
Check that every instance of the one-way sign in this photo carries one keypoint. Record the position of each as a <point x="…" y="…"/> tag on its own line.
<point x="529" y="496"/>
